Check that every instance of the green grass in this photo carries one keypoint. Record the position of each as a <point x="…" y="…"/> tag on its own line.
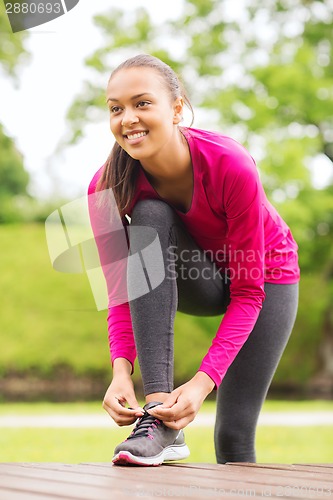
<point x="41" y="408"/>
<point x="274" y="444"/>
<point x="44" y="408"/>
<point x="47" y="318"/>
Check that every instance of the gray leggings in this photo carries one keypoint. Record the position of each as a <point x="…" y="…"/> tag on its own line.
<point x="245" y="385"/>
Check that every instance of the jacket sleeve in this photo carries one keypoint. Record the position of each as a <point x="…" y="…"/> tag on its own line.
<point x="112" y="244"/>
<point x="241" y="201"/>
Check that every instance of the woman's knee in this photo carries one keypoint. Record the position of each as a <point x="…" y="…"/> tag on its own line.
<point x="152" y="213"/>
<point x="234" y="443"/>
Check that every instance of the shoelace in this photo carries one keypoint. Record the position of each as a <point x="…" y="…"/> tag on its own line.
<point x="144" y="425"/>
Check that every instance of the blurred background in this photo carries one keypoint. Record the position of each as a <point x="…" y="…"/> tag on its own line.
<point x="259" y="71"/>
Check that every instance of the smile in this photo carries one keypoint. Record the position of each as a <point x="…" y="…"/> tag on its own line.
<point x="136" y="136"/>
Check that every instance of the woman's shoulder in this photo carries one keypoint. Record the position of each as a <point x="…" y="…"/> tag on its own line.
<point x="93" y="183"/>
<point x="212" y="136"/>
<point x="217" y="149"/>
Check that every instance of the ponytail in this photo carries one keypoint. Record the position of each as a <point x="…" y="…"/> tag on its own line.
<point x="119" y="174"/>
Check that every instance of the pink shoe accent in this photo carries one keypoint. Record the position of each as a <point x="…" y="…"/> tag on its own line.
<point x="124" y="459"/>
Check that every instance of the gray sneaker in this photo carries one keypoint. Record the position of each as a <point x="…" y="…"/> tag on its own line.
<point x="151" y="443"/>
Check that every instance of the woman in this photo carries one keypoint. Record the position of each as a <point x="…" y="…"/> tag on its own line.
<point x="226" y="251"/>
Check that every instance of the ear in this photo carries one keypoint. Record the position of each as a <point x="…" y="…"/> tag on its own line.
<point x="178" y="110"/>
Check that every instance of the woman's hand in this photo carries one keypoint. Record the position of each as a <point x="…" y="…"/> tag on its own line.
<point x="182" y="404"/>
<point x="120" y="392"/>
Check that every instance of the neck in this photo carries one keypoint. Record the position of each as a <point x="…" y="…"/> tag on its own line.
<point x="171" y="165"/>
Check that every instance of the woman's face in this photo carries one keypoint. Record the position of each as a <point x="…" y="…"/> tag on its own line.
<point x="143" y="115"/>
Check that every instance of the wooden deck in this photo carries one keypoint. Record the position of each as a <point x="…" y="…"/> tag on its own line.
<point x="103" y="481"/>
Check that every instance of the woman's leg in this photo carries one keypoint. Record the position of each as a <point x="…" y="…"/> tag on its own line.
<point x="192" y="284"/>
<point x="244" y="387"/>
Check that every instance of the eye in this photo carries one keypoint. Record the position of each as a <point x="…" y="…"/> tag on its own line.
<point x="114" y="109"/>
<point x="143" y="104"/>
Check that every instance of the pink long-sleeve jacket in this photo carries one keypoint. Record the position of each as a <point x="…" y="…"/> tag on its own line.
<point x="231" y="218"/>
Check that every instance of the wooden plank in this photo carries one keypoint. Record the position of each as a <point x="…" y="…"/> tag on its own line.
<point x="46" y="486"/>
<point x="113" y="479"/>
<point x="104" y="481"/>
<point x="153" y="476"/>
<point x="326" y="466"/>
<point x="143" y="487"/>
<point x="24" y="495"/>
<point x="261" y="466"/>
<point x="314" y="469"/>
<point x="283" y="472"/>
<point x="283" y="480"/>
<point x="66" y="475"/>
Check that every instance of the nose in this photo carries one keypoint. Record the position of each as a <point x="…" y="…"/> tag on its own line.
<point x="129" y="117"/>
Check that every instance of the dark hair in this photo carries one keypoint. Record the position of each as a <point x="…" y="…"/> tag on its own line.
<point x="121" y="170"/>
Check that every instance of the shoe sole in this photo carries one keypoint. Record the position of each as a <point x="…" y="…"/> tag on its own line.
<point x="174" y="452"/>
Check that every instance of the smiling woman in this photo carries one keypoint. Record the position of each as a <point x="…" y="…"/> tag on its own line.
<point x="136" y="121"/>
<point x="200" y="194"/>
<point x="143" y="115"/>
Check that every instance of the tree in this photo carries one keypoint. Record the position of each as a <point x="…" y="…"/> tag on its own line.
<point x="263" y="74"/>
<point x="12" y="51"/>
<point x="13" y="177"/>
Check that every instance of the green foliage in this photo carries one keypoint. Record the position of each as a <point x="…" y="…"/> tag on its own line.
<point x="121" y="31"/>
<point x="13" y="178"/>
<point x="311" y="218"/>
<point x="299" y="362"/>
<point x="13" y="181"/>
<point x="12" y="51"/>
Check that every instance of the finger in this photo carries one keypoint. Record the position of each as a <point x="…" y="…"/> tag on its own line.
<point x="163" y="414"/>
<point x="120" y="419"/>
<point x="170" y="400"/>
<point x="133" y="404"/>
<point x="117" y="403"/>
<point x="161" y="410"/>
<point x="179" y="424"/>
<point x="117" y="411"/>
<point x="177" y="411"/>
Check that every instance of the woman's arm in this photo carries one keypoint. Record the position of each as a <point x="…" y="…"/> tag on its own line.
<point x="183" y="404"/>
<point x="111" y="241"/>
<point x="121" y="392"/>
<point x="241" y="200"/>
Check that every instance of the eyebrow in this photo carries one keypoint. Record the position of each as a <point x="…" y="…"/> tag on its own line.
<point x="132" y="98"/>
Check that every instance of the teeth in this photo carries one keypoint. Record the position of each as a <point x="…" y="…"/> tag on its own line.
<point x="136" y="136"/>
